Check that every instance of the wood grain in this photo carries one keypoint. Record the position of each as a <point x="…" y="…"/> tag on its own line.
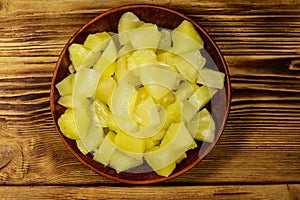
<point x="260" y="145"/>
<point x="234" y="192"/>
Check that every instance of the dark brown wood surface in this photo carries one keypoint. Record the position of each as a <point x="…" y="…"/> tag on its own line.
<point x="258" y="155"/>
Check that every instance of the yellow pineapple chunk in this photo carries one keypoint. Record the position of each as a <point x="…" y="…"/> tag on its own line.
<point x="97" y="42"/>
<point x="141" y="57"/>
<point x="146" y="113"/>
<point x="160" y="135"/>
<point x="138" y="37"/>
<point x="186" y="38"/>
<point x="112" y="125"/>
<point x="121" y="106"/>
<point x="127" y="22"/>
<point x="121" y="66"/>
<point x="65" y="87"/>
<point x="153" y="77"/>
<point x="93" y="138"/>
<point x="183" y="156"/>
<point x="81" y="56"/>
<point x="166" y="171"/>
<point x="105" y="89"/>
<point x="110" y="70"/>
<point x="66" y="101"/>
<point x="67" y="125"/>
<point x="106" y="149"/>
<point x="107" y="58"/>
<point x="211" y="78"/>
<point x="165" y="40"/>
<point x="202" y="96"/>
<point x="156" y="91"/>
<point x="187" y="70"/>
<point x="168" y="99"/>
<point x="130" y="143"/>
<point x="83" y="78"/>
<point x="184" y="91"/>
<point x="188" y="110"/>
<point x="202" y="126"/>
<point x="150" y="143"/>
<point x="176" y="141"/>
<point x="122" y="161"/>
<point x="102" y="113"/>
<point x="173" y="112"/>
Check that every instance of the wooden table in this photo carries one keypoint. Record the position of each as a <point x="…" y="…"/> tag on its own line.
<point x="258" y="155"/>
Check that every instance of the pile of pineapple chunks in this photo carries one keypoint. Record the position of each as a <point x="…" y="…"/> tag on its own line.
<point x="139" y="96"/>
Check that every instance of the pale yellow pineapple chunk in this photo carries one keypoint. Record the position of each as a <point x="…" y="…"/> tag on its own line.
<point x="186" y="38"/>
<point x="105" y="89"/>
<point x="202" y="126"/>
<point x="166" y="171"/>
<point x="82" y="121"/>
<point x="97" y="42"/>
<point x="122" y="161"/>
<point x="146" y="113"/>
<point x="141" y="95"/>
<point x="111" y="122"/>
<point x="188" y="110"/>
<point x="129" y="143"/>
<point x="66" y="101"/>
<point x="165" y="40"/>
<point x="107" y="58"/>
<point x="188" y="28"/>
<point x="182" y="157"/>
<point x="121" y="66"/>
<point x="82" y="148"/>
<point x="160" y="135"/>
<point x="110" y="70"/>
<point x="184" y="91"/>
<point x="202" y="96"/>
<point x="138" y="37"/>
<point x="81" y="56"/>
<point x="176" y="141"/>
<point x="156" y="91"/>
<point x="120" y="107"/>
<point x="159" y="158"/>
<point x="150" y="143"/>
<point x="166" y="57"/>
<point x="186" y="69"/>
<point x="92" y="139"/>
<point x="211" y="78"/>
<point x="106" y="149"/>
<point x="127" y="22"/>
<point x="67" y="125"/>
<point x="83" y="78"/>
<point x="65" y="87"/>
<point x="156" y="75"/>
<point x="168" y="99"/>
<point x="174" y="114"/>
<point x="141" y="57"/>
<point x="125" y="49"/>
<point x="194" y="58"/>
<point x="102" y="112"/>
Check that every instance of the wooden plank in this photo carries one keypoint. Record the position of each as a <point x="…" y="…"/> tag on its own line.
<point x="260" y="41"/>
<point x="245" y="154"/>
<point x="160" y="192"/>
